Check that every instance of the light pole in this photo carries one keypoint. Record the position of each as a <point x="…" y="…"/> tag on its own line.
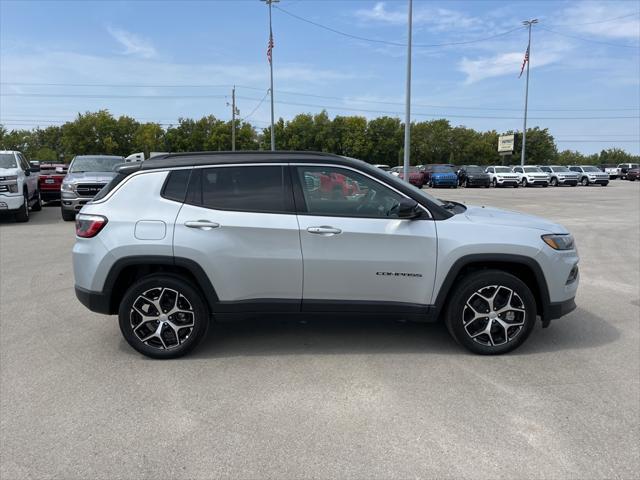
<point x="526" y="23"/>
<point x="407" y="111"/>
<point x="234" y="112"/>
<point x="270" y="57"/>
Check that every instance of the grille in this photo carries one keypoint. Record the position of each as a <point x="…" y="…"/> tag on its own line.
<point x="4" y="188"/>
<point x="89" y="189"/>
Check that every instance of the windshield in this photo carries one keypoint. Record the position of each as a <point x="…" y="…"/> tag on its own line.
<point x="94" y="164"/>
<point x="7" y="160"/>
<point x="441" y="169"/>
<point x="474" y="170"/>
<point x="591" y="169"/>
<point x="560" y="169"/>
<point x="532" y="169"/>
<point x="503" y="170"/>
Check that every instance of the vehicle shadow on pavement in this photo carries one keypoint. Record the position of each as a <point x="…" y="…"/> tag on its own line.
<point x="319" y="335"/>
<point x="333" y="335"/>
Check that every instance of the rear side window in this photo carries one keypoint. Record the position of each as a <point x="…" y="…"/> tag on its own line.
<point x="249" y="189"/>
<point x="175" y="187"/>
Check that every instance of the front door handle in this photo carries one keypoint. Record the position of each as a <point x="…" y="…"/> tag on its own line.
<point x="201" y="224"/>
<point x="324" y="230"/>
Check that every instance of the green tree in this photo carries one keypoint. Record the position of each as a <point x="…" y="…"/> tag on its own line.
<point x="384" y="139"/>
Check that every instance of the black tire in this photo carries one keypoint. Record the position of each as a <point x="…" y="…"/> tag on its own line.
<point x="516" y="185"/>
<point x="68" y="216"/>
<point x="163" y="285"/>
<point x="465" y="183"/>
<point x="554" y="182"/>
<point x="605" y="184"/>
<point x="465" y="292"/>
<point x="632" y="179"/>
<point x="22" y="215"/>
<point x="494" y="182"/>
<point x="487" y="186"/>
<point x="430" y="184"/>
<point x="38" y="205"/>
<point x="545" y="185"/>
<point x="525" y="183"/>
<point x="584" y="182"/>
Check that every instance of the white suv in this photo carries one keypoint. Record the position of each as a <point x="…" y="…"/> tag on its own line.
<point x="173" y="241"/>
<point x="502" y="176"/>
<point x="18" y="185"/>
<point x="530" y="176"/>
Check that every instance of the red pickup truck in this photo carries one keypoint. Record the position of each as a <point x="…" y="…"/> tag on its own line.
<point x="50" y="179"/>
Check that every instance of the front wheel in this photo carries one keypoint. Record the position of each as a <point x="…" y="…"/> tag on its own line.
<point x="23" y="213"/>
<point x="524" y="182"/>
<point x="545" y="185"/>
<point x="494" y="182"/>
<point x="491" y="312"/>
<point x="584" y="182"/>
<point x="38" y="205"/>
<point x="605" y="184"/>
<point x="163" y="316"/>
<point x="554" y="182"/>
<point x="68" y="216"/>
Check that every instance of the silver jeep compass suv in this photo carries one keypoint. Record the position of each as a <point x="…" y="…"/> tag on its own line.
<point x="180" y="239"/>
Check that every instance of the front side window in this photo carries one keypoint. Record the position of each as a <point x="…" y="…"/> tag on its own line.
<point x="338" y="192"/>
<point x="262" y="189"/>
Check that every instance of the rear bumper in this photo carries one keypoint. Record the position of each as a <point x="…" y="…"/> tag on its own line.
<point x="95" y="301"/>
<point x="49" y="195"/>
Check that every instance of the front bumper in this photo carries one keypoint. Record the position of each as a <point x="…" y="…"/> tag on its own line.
<point x="560" y="309"/>
<point x="506" y="181"/>
<point x="599" y="181"/>
<point x="11" y="203"/>
<point x="537" y="181"/>
<point x="444" y="182"/>
<point x="73" y="203"/>
<point x="475" y="182"/>
<point x="567" y="181"/>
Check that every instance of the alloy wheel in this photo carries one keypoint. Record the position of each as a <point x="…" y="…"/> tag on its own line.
<point x="162" y="318"/>
<point x="494" y="315"/>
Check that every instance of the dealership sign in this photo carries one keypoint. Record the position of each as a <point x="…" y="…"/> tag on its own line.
<point x="505" y="143"/>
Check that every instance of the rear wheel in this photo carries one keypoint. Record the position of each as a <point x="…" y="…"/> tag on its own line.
<point x="491" y="312"/>
<point x="163" y="316"/>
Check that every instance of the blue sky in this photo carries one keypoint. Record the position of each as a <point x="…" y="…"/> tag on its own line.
<point x="129" y="51"/>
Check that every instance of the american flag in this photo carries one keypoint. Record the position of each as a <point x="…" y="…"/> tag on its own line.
<point x="524" y="62"/>
<point x="270" y="47"/>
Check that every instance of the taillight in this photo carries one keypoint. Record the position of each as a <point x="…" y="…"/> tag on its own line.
<point x="88" y="226"/>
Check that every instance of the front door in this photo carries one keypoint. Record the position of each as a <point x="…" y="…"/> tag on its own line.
<point x="355" y="248"/>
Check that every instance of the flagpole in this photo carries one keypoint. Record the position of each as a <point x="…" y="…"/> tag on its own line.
<point x="407" y="113"/>
<point x="527" y="23"/>
<point x="273" y="132"/>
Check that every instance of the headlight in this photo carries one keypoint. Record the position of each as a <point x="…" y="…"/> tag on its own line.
<point x="11" y="181"/>
<point x="559" y="241"/>
<point x="67" y="187"/>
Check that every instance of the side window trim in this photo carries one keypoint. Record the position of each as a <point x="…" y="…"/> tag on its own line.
<point x="301" y="202"/>
<point x="286" y="177"/>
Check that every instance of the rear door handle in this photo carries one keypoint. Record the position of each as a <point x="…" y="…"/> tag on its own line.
<point x="201" y="224"/>
<point x="324" y="230"/>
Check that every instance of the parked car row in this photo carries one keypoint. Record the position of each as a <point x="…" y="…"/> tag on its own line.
<point x="447" y="175"/>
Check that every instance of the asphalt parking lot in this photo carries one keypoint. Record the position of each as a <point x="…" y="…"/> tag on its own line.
<point x="327" y="398"/>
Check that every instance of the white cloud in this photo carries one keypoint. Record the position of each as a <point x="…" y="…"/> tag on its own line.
<point x="501" y="64"/>
<point x="132" y="43"/>
<point x="587" y="18"/>
<point x="435" y="19"/>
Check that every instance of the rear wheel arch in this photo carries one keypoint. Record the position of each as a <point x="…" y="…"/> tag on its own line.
<point x="525" y="268"/>
<point x="126" y="271"/>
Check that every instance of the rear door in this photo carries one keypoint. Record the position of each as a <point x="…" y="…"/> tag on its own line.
<point x="238" y="223"/>
<point x="357" y="253"/>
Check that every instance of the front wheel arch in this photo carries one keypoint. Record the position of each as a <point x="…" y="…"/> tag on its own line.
<point x="525" y="268"/>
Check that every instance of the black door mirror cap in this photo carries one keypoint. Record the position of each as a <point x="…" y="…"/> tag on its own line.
<point x="409" y="209"/>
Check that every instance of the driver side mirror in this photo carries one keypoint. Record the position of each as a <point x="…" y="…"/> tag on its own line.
<point x="409" y="209"/>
